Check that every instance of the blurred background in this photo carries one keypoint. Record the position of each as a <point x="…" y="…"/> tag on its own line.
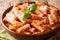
<point x="4" y="4"/>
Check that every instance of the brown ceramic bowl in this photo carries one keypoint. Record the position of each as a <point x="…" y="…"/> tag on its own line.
<point x="29" y="37"/>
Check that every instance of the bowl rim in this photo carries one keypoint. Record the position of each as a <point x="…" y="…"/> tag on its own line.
<point x="5" y="27"/>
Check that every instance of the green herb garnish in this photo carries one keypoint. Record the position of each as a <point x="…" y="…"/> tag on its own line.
<point x="28" y="11"/>
<point x="32" y="7"/>
<point x="25" y="16"/>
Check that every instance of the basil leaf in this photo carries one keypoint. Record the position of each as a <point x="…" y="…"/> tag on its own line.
<point x="32" y="7"/>
<point x="26" y="10"/>
<point x="25" y="16"/>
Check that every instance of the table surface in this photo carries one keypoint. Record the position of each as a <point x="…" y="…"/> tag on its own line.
<point x="4" y="4"/>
